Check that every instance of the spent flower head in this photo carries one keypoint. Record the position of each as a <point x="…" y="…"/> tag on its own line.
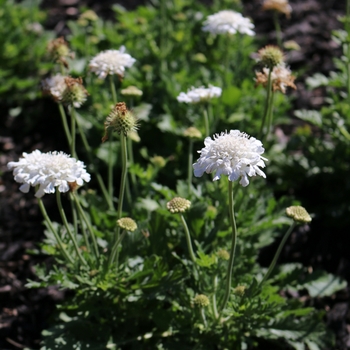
<point x="234" y="154"/>
<point x="228" y="22"/>
<point x="54" y="86"/>
<point x="127" y="224"/>
<point x="59" y="51"/>
<point x="281" y="6"/>
<point x="201" y="94"/>
<point x="111" y="62"/>
<point x="298" y="214"/>
<point x="120" y="120"/>
<point x="201" y="300"/>
<point x="281" y="77"/>
<point x="75" y="93"/>
<point x="131" y="91"/>
<point x="48" y="171"/>
<point x="271" y="56"/>
<point x="178" y="205"/>
<point x="192" y="133"/>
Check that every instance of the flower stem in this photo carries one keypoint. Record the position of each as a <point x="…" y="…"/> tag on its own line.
<point x="73" y="131"/>
<point x="206" y="121"/>
<point x="269" y="113"/>
<point x="124" y="174"/>
<point x="204" y="320"/>
<point x="188" y="239"/>
<point x="190" y="161"/>
<point x="113" y="91"/>
<point x="87" y="222"/>
<point x="277" y="28"/>
<point x="131" y="161"/>
<point x="65" y="222"/>
<point x="233" y="247"/>
<point x="51" y="227"/>
<point x="278" y="252"/>
<point x="213" y="298"/>
<point x="266" y="109"/>
<point x="64" y="122"/>
<point x="110" y="167"/>
<point x="112" y="257"/>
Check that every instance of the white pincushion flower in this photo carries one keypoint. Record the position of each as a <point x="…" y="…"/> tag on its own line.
<point x="234" y="154"/>
<point x="54" y="86"/>
<point x="201" y="94"/>
<point x="228" y="22"/>
<point x="48" y="171"/>
<point x="111" y="62"/>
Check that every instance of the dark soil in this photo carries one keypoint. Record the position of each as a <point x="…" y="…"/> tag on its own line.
<point x="25" y="313"/>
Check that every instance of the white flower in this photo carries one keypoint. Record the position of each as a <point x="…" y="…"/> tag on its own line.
<point x="48" y="170"/>
<point x="230" y="22"/>
<point x="234" y="154"/>
<point x="54" y="86"/>
<point x="111" y="62"/>
<point x="201" y="94"/>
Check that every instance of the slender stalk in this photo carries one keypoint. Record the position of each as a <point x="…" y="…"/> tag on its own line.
<point x="114" y="251"/>
<point x="190" y="162"/>
<point x="206" y="120"/>
<point x="73" y="131"/>
<point x="87" y="223"/>
<point x="233" y="247"/>
<point x="277" y="28"/>
<point x="110" y="166"/>
<point x="64" y="122"/>
<point x="269" y="114"/>
<point x="51" y="227"/>
<point x="113" y="91"/>
<point x="131" y="161"/>
<point x="65" y="222"/>
<point x="86" y="239"/>
<point x="204" y="320"/>
<point x="124" y="174"/>
<point x="213" y="298"/>
<point x="278" y="252"/>
<point x="188" y="239"/>
<point x="266" y="109"/>
<point x="227" y="61"/>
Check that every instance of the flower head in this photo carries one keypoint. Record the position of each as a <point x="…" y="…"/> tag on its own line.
<point x="127" y="224"/>
<point x="75" y="93"/>
<point x="223" y="254"/>
<point x="54" y="86"/>
<point x="59" y="51"/>
<point x="281" y="77"/>
<point x="111" y="62"/>
<point x="192" y="133"/>
<point x="234" y="154"/>
<point x="158" y="161"/>
<point x="201" y="300"/>
<point x="298" y="214"/>
<point x="229" y="22"/>
<point x="271" y="56"/>
<point x="178" y="205"/>
<point x="48" y="171"/>
<point x="201" y="94"/>
<point x="239" y="290"/>
<point x="120" y="120"/>
<point x="279" y="6"/>
<point x="131" y="91"/>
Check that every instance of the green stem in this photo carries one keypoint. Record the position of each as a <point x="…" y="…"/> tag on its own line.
<point x="227" y="61"/>
<point x="65" y="222"/>
<point x="277" y="28"/>
<point x="188" y="239"/>
<point x="278" y="252"/>
<point x="269" y="114"/>
<point x="206" y="121"/>
<point x="64" y="122"/>
<point x="213" y="298"/>
<point x="113" y="91"/>
<point x="87" y="223"/>
<point x="204" y="320"/>
<point x="73" y="131"/>
<point x="269" y="90"/>
<point x="190" y="162"/>
<point x="131" y="161"/>
<point x="51" y="227"/>
<point x="233" y="247"/>
<point x="114" y="251"/>
<point x="110" y="167"/>
<point x="124" y="174"/>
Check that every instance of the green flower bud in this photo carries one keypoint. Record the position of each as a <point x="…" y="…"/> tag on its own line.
<point x="298" y="214"/>
<point x="239" y="291"/>
<point x="178" y="205"/>
<point x="271" y="56"/>
<point x="127" y="224"/>
<point x="201" y="300"/>
<point x="192" y="133"/>
<point x="223" y="254"/>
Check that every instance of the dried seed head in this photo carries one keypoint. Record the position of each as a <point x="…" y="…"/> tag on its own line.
<point x="127" y="224"/>
<point x="223" y="254"/>
<point x="271" y="56"/>
<point x="59" y="51"/>
<point x="120" y="120"/>
<point x="131" y="91"/>
<point x="192" y="133"/>
<point x="75" y="93"/>
<point x="178" y="205"/>
<point x="298" y="214"/>
<point x="201" y="300"/>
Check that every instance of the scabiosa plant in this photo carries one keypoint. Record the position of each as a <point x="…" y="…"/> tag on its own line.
<point x="111" y="62"/>
<point x="228" y="22"/>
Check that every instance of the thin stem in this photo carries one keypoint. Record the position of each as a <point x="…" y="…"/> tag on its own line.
<point x="110" y="167"/>
<point x="51" y="227"/>
<point x="114" y="251"/>
<point x="87" y="222"/>
<point x="190" y="162"/>
<point x="64" y="122"/>
<point x="65" y="222"/>
<point x="269" y="114"/>
<point x="269" y="89"/>
<point x="113" y="91"/>
<point x="131" y="161"/>
<point x="213" y="298"/>
<point x="278" y="252"/>
<point x="277" y="28"/>
<point x="188" y="239"/>
<point x="233" y="247"/>
<point x="73" y="131"/>
<point x="124" y="174"/>
<point x="206" y="121"/>
<point x="204" y="320"/>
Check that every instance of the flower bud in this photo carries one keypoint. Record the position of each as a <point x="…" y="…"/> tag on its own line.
<point x="239" y="291"/>
<point x="201" y="300"/>
<point x="223" y="254"/>
<point x="131" y="91"/>
<point x="127" y="224"/>
<point x="178" y="205"/>
<point x="158" y="161"/>
<point x="192" y="133"/>
<point x="271" y="56"/>
<point x="298" y="214"/>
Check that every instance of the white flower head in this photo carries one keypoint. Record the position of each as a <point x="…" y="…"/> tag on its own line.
<point x="228" y="22"/>
<point x="201" y="94"/>
<point x="54" y="86"/>
<point x="234" y="154"/>
<point x="48" y="171"/>
<point x="111" y="62"/>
